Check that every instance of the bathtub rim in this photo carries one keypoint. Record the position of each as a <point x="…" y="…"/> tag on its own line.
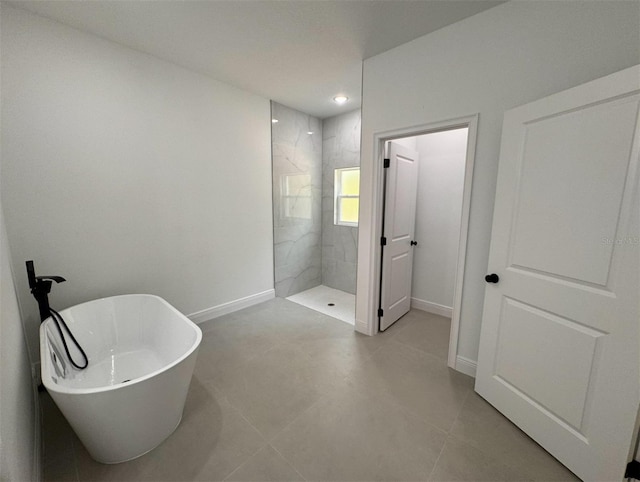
<point x="46" y="368"/>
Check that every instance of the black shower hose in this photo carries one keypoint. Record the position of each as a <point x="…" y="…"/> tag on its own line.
<point x="58" y="319"/>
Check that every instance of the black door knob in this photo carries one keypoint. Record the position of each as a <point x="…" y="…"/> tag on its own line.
<point x="414" y="243"/>
<point x="492" y="278"/>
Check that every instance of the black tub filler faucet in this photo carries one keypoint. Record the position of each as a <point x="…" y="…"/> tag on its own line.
<point x="40" y="289"/>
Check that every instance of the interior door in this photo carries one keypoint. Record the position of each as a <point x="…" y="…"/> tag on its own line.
<point x="401" y="189"/>
<point x="560" y="329"/>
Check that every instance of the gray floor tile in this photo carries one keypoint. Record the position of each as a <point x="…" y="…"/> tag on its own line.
<point x="265" y="466"/>
<point x="226" y="348"/>
<point x="275" y="309"/>
<point x="274" y="388"/>
<point x="420" y="382"/>
<point x="219" y="322"/>
<point x="336" y="405"/>
<point x="297" y="323"/>
<point x="89" y="469"/>
<point x="334" y="359"/>
<point x="57" y="434"/>
<point x="403" y="322"/>
<point x="58" y="460"/>
<point x="428" y="332"/>
<point x="347" y="436"/>
<point x="482" y="426"/>
<point x="462" y="462"/>
<point x="211" y="442"/>
<point x="61" y="469"/>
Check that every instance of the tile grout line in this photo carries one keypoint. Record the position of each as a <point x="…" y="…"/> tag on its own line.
<point x="403" y="409"/>
<point x="488" y="454"/>
<point x="320" y="398"/>
<point x="481" y="448"/>
<point x="406" y="410"/>
<point x="268" y="441"/>
<point x="370" y="355"/>
<point x="279" y="343"/>
<point x="245" y="462"/>
<point x="241" y="415"/>
<point x="421" y="350"/>
<point x="457" y="417"/>
<point x="288" y="462"/>
<point x="435" y="464"/>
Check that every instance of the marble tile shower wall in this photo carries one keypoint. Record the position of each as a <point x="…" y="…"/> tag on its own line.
<point x="340" y="148"/>
<point x="297" y="200"/>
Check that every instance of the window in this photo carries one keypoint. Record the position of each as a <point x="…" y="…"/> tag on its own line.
<point x="296" y="196"/>
<point x="347" y="196"/>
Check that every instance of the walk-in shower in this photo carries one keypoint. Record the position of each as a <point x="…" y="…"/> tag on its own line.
<point x="316" y="168"/>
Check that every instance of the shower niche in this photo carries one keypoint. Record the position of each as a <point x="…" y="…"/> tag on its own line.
<point x="316" y="168"/>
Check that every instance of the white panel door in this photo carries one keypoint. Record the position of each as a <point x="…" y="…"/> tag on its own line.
<point x="559" y="347"/>
<point x="398" y="230"/>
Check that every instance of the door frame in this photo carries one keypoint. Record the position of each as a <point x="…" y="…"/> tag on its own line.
<point x="369" y="324"/>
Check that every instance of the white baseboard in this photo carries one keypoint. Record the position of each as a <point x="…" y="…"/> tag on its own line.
<point x="231" y="306"/>
<point x="430" y="307"/>
<point x="466" y="366"/>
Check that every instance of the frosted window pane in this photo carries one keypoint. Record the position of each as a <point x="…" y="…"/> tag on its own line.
<point x="351" y="183"/>
<point x="346" y="196"/>
<point x="349" y="210"/>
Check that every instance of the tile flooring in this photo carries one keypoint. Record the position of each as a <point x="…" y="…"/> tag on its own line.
<point x="282" y="392"/>
<point x="335" y="303"/>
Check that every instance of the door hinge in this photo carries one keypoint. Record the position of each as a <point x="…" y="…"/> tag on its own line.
<point x="383" y="241"/>
<point x="387" y="163"/>
<point x="380" y="312"/>
<point x="633" y="470"/>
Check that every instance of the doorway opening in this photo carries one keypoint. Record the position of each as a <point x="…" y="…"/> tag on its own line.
<point x="423" y="211"/>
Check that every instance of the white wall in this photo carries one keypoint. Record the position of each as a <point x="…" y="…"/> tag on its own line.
<point x="124" y="173"/>
<point x="18" y="409"/>
<point x="503" y="57"/>
<point x="438" y="212"/>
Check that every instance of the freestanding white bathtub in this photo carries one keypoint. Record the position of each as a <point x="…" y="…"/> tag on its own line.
<point x="142" y="352"/>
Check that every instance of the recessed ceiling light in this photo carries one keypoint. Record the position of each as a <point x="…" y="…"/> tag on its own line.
<point x="273" y="121"/>
<point x="309" y="132"/>
<point x="340" y="99"/>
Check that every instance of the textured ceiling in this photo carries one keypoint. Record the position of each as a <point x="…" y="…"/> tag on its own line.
<point x="299" y="53"/>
